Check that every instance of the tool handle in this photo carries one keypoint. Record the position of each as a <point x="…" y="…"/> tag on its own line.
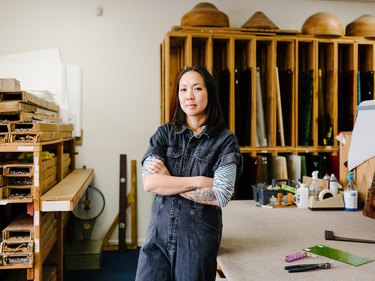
<point x="287" y="267"/>
<point x="354" y="240"/>
<point x="304" y="268"/>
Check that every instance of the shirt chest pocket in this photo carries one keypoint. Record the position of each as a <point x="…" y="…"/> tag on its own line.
<point x="205" y="162"/>
<point x="200" y="163"/>
<point x="174" y="160"/>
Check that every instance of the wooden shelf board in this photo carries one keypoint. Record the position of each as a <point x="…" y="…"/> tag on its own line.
<point x="16" y="266"/>
<point x="22" y="222"/>
<point x="288" y="149"/>
<point x="28" y="147"/>
<point x="13" y="201"/>
<point x="65" y="195"/>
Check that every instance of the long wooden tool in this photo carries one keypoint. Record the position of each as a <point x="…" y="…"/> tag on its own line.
<point x="122" y="204"/>
<point x="132" y="202"/>
<point x="280" y="119"/>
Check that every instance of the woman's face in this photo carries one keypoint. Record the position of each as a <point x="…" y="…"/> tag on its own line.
<point x="192" y="94"/>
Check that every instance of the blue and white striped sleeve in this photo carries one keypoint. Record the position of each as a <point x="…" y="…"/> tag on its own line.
<point x="146" y="172"/>
<point x="223" y="186"/>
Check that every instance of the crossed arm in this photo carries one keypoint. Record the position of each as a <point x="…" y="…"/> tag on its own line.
<point x="158" y="180"/>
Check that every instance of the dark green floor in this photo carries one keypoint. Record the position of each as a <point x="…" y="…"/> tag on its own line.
<point x="115" y="266"/>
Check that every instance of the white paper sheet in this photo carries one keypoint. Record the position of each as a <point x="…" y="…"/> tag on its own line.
<point x="36" y="70"/>
<point x="42" y="70"/>
<point x="362" y="144"/>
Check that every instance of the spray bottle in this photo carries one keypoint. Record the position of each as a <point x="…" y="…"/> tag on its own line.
<point x="351" y="194"/>
<point x="314" y="187"/>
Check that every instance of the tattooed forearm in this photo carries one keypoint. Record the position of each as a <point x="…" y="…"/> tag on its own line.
<point x="201" y="195"/>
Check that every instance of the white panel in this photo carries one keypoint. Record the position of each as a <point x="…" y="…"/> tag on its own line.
<point x="42" y="71"/>
<point x="36" y="70"/>
<point x="70" y="107"/>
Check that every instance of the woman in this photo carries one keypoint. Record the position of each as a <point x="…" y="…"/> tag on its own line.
<point x="191" y="165"/>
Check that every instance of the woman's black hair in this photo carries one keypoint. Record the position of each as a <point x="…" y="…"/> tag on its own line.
<point x="215" y="121"/>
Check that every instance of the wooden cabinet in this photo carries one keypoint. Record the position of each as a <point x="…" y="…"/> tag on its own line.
<point x="281" y="94"/>
<point x="22" y="213"/>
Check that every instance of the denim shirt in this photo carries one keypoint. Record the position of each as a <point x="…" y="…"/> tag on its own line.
<point x="187" y="155"/>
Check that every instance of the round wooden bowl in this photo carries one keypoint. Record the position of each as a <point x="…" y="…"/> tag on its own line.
<point x="362" y="26"/>
<point x="205" y="14"/>
<point x="323" y="23"/>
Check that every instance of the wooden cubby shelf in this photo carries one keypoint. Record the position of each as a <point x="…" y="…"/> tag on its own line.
<point x="282" y="94"/>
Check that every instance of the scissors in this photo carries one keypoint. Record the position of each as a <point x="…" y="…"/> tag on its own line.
<point x="308" y="267"/>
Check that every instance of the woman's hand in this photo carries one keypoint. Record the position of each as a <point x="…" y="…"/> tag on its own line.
<point x="156" y="166"/>
<point x="198" y="189"/>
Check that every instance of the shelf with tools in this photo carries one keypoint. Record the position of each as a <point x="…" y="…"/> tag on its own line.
<point x="37" y="152"/>
<point x="28" y="234"/>
<point x="282" y="94"/>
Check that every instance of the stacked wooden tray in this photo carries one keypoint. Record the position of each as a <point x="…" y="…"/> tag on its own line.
<point x="34" y="132"/>
<point x="17" y="246"/>
<point x="27" y="118"/>
<point x="12" y="103"/>
<point x="17" y="178"/>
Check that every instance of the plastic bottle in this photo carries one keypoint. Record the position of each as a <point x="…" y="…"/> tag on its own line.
<point x="302" y="196"/>
<point x="326" y="177"/>
<point x="333" y="184"/>
<point x="351" y="194"/>
<point x="314" y="186"/>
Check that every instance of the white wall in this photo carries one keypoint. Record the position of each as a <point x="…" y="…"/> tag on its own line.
<point x="120" y="57"/>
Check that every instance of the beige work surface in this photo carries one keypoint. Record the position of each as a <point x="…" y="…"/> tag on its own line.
<point x="255" y="241"/>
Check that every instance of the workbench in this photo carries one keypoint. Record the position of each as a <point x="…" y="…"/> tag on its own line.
<point x="256" y="240"/>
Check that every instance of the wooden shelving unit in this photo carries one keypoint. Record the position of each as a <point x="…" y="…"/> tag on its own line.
<point x="47" y="224"/>
<point x="324" y="60"/>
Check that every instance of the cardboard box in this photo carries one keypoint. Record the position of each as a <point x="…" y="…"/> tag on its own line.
<point x="363" y="174"/>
